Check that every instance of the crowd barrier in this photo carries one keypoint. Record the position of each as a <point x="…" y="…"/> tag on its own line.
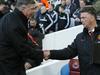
<point x="61" y="39"/>
<point x="56" y="40"/>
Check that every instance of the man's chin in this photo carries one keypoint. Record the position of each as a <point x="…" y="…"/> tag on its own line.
<point x="85" y="26"/>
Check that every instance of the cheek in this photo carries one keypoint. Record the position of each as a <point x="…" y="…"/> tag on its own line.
<point x="30" y="12"/>
<point x="83" y="20"/>
<point x="87" y="19"/>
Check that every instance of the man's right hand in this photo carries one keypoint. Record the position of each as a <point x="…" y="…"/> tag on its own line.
<point x="27" y="65"/>
<point x="46" y="54"/>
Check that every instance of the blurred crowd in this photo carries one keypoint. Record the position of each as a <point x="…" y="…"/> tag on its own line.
<point x="50" y="18"/>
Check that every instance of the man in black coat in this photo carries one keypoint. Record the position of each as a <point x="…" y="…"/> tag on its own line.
<point x="14" y="48"/>
<point x="86" y="45"/>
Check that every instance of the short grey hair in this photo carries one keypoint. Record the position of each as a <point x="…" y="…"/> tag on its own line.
<point x="21" y="3"/>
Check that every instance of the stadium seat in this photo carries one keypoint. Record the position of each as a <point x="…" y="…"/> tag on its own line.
<point x="74" y="67"/>
<point x="65" y="70"/>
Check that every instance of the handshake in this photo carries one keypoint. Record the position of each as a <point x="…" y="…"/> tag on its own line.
<point x="46" y="54"/>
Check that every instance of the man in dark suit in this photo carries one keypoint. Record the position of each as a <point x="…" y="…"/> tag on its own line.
<point x="86" y="45"/>
<point x="14" y="48"/>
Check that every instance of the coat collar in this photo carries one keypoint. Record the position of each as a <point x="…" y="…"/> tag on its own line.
<point x="22" y="17"/>
<point x="97" y="29"/>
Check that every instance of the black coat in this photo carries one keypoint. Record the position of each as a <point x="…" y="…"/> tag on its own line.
<point x="87" y="49"/>
<point x="37" y="36"/>
<point x="13" y="44"/>
<point x="1" y="14"/>
<point x="63" y="21"/>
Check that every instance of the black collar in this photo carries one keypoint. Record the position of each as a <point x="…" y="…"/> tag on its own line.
<point x="97" y="29"/>
<point x="22" y="17"/>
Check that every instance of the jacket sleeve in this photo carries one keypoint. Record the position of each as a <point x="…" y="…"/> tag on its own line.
<point x="68" y="20"/>
<point x="49" y="19"/>
<point x="55" y="16"/>
<point x="66" y="53"/>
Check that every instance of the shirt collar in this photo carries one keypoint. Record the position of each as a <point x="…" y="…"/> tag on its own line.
<point x="91" y="30"/>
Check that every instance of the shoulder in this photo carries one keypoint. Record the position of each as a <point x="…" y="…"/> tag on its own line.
<point x="55" y="12"/>
<point x="8" y="20"/>
<point x="9" y="17"/>
<point x="80" y="35"/>
<point x="58" y="5"/>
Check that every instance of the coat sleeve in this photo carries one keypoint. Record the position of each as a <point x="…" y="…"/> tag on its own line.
<point x="66" y="53"/>
<point x="18" y="42"/>
<point x="49" y="19"/>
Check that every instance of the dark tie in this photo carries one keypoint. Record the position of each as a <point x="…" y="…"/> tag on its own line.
<point x="91" y="35"/>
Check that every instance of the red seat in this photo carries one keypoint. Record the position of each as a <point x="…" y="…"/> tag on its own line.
<point x="74" y="67"/>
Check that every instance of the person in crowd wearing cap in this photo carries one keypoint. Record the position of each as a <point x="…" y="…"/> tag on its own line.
<point x="86" y="45"/>
<point x="14" y="47"/>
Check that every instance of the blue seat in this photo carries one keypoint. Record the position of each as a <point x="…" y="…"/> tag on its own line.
<point x="65" y="70"/>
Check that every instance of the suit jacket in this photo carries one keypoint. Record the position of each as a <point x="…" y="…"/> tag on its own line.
<point x="87" y="48"/>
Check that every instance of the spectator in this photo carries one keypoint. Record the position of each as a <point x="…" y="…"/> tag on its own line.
<point x="63" y="3"/>
<point x="35" y="39"/>
<point x="45" y="21"/>
<point x="76" y="14"/>
<point x="77" y="3"/>
<point x="63" y="19"/>
<point x="10" y="4"/>
<point x="97" y="7"/>
<point x="3" y="10"/>
<point x="54" y="16"/>
<point x="90" y="2"/>
<point x="35" y="33"/>
<point x="69" y="7"/>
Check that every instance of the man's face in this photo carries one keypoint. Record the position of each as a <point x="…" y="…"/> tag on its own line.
<point x="43" y="9"/>
<point x="30" y="10"/>
<point x="33" y="23"/>
<point x="61" y="9"/>
<point x="68" y="1"/>
<point x="87" y="19"/>
<point x="82" y="3"/>
<point x="63" y="2"/>
<point x="50" y="7"/>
